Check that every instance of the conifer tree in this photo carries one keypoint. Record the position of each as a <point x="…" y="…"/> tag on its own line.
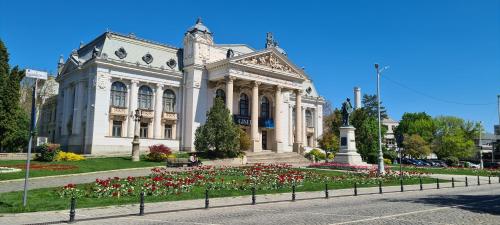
<point x="14" y="122"/>
<point x="219" y="136"/>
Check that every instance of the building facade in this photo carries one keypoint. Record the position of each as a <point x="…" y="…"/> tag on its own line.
<point x="104" y="82"/>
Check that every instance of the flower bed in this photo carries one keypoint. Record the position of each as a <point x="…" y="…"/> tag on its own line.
<point x="267" y="178"/>
<point x="369" y="170"/>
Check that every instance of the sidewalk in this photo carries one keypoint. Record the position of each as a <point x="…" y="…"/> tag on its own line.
<point x="101" y="213"/>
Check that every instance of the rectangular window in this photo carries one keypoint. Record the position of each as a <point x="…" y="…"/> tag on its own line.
<point x="117" y="128"/>
<point x="168" y="131"/>
<point x="144" y="130"/>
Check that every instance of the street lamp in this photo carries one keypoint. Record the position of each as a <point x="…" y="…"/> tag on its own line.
<point x="481" y="165"/>
<point x="135" y="142"/>
<point x="381" y="169"/>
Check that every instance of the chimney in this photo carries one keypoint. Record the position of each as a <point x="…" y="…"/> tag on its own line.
<point x="357" y="97"/>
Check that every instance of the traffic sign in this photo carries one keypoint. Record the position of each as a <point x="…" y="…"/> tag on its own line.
<point x="36" y="74"/>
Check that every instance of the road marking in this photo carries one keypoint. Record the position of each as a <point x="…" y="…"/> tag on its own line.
<point x="414" y="212"/>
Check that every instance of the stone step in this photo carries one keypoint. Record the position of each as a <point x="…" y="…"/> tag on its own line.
<point x="272" y="157"/>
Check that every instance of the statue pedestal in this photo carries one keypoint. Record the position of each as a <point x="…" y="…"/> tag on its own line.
<point x="348" y="153"/>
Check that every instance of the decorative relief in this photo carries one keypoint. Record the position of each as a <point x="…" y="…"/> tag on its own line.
<point x="148" y="58"/>
<point x="102" y="82"/>
<point x="171" y="63"/>
<point x="121" y="53"/>
<point x="268" y="60"/>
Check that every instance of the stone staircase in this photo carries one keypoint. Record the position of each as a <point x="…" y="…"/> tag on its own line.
<point x="268" y="157"/>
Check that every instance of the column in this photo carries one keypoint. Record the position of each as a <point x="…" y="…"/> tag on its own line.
<point x="158" y="111"/>
<point x="290" y="125"/>
<point x="77" y="108"/>
<point x="256" y="145"/>
<point x="65" y="110"/>
<point x="297" y="145"/>
<point x="174" y="130"/>
<point x="305" y="142"/>
<point x="229" y="93"/>
<point x="277" y="119"/>
<point x="132" y="107"/>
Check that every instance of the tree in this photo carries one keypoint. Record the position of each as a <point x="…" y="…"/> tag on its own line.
<point x="415" y="123"/>
<point x="454" y="137"/>
<point x="14" y="122"/>
<point x="416" y="146"/>
<point x="367" y="135"/>
<point x="370" y="105"/>
<point x="245" y="142"/>
<point x="219" y="136"/>
<point x="329" y="141"/>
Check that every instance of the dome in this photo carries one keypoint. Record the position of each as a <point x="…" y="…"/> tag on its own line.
<point x="199" y="27"/>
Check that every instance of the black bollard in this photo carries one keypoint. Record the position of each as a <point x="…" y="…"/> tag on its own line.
<point x="489" y="179"/>
<point x="437" y="183"/>
<point x="466" y="182"/>
<point x="206" y="199"/>
<point x="380" y="186"/>
<point x="326" y="190"/>
<point x="452" y="182"/>
<point x="141" y="205"/>
<point x="355" y="189"/>
<point x="253" y="195"/>
<point x="293" y="192"/>
<point x="478" y="182"/>
<point x="401" y="183"/>
<point x="421" y="186"/>
<point x="72" y="210"/>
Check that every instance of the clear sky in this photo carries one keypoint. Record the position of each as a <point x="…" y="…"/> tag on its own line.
<point x="444" y="56"/>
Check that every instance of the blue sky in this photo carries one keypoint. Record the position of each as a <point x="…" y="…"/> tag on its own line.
<point x="444" y="56"/>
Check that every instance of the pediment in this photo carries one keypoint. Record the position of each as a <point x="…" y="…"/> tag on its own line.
<point x="273" y="61"/>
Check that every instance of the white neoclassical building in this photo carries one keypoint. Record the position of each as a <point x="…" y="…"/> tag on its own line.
<point x="103" y="82"/>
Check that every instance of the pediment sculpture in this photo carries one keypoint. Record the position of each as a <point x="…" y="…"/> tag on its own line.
<point x="268" y="60"/>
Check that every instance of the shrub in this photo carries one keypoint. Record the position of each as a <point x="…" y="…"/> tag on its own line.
<point x="68" y="156"/>
<point x="331" y="156"/>
<point x="387" y="162"/>
<point x="451" y="161"/>
<point x="245" y="142"/>
<point x="318" y="155"/>
<point x="47" y="152"/>
<point x="158" y="153"/>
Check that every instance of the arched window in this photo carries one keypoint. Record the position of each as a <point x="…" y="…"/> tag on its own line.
<point x="168" y="101"/>
<point x="118" y="93"/>
<point x="309" y="118"/>
<point x="221" y="94"/>
<point x="145" y="97"/>
<point x="264" y="107"/>
<point x="244" y="105"/>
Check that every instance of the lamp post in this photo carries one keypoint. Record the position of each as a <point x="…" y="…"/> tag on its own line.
<point x="135" y="142"/>
<point x="481" y="164"/>
<point x="381" y="169"/>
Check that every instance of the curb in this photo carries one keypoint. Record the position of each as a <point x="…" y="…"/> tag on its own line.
<point x="77" y="174"/>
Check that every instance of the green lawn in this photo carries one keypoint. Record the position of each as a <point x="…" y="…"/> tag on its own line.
<point x="88" y="165"/>
<point x="452" y="171"/>
<point x="48" y="199"/>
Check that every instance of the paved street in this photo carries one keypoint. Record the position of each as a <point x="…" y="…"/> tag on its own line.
<point x="460" y="205"/>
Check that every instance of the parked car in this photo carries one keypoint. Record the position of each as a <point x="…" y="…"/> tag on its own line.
<point x="439" y="163"/>
<point x="491" y="165"/>
<point x="468" y="165"/>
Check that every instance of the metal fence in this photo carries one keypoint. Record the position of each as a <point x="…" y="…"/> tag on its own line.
<point x="327" y="195"/>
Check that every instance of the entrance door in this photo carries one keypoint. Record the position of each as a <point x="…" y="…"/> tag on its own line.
<point x="264" y="140"/>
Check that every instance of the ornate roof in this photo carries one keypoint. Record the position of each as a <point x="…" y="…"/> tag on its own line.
<point x="199" y="26"/>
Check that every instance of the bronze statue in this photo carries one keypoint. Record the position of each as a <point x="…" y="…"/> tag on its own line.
<point x="346" y="111"/>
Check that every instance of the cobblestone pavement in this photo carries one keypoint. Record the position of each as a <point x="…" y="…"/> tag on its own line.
<point x="460" y="205"/>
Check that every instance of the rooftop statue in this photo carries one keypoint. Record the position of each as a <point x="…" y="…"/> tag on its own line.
<point x="346" y="111"/>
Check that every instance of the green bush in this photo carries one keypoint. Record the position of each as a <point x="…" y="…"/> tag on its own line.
<point x="318" y="155"/>
<point x="47" y="152"/>
<point x="245" y="142"/>
<point x="387" y="161"/>
<point x="451" y="161"/>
